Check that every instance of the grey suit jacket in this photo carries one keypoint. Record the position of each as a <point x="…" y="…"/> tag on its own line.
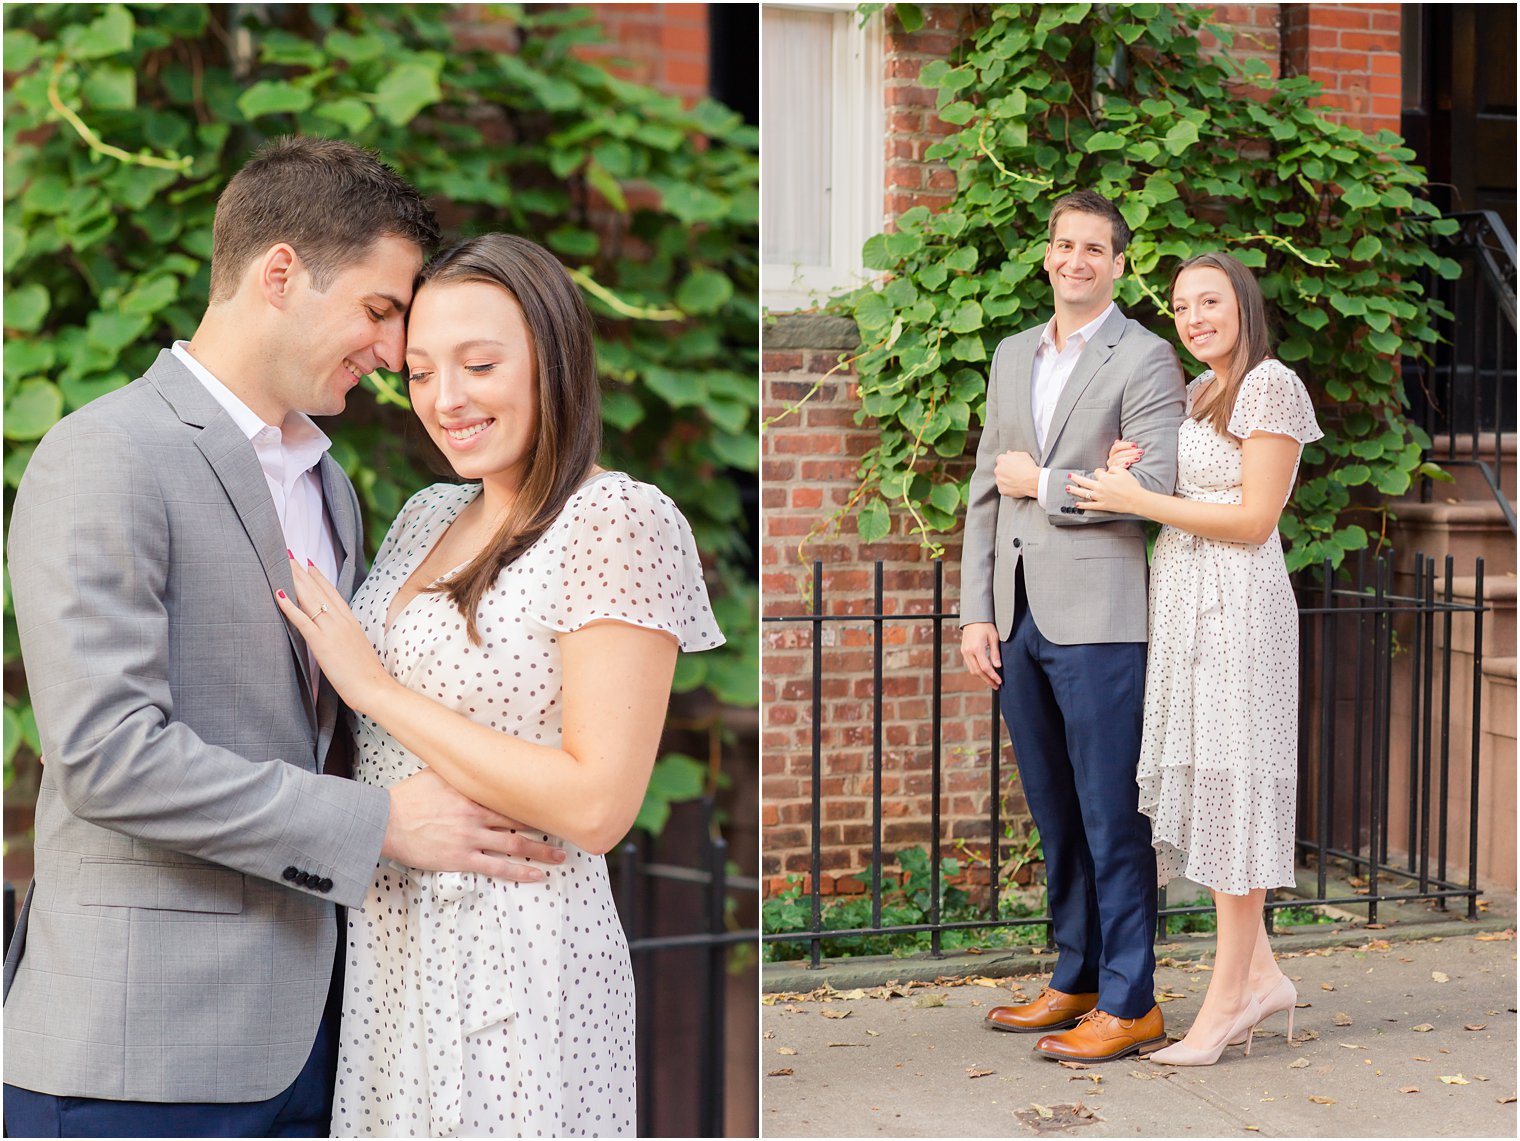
<point x="1085" y="575"/>
<point x="163" y="952"/>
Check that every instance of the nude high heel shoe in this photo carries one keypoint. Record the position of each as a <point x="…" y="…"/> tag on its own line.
<point x="1179" y="1054"/>
<point x="1282" y="996"/>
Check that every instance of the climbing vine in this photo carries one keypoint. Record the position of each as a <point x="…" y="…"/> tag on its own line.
<point x="1200" y="152"/>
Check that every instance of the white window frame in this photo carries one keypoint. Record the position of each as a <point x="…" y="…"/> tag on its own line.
<point x="858" y="165"/>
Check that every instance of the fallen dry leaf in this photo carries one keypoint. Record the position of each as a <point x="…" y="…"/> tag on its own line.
<point x="1422" y="1028"/>
<point x="1251" y="1128"/>
<point x="1318" y="1099"/>
<point x="1071" y="1065"/>
<point x="861" y="1045"/>
<point x="927" y="1000"/>
<point x="1045" y="1114"/>
<point x="1351" y="1046"/>
<point x="874" y="1033"/>
<point x="1493" y="936"/>
<point x="786" y="1073"/>
<point x="769" y="1034"/>
<point x="1168" y="995"/>
<point x="1342" y="1018"/>
<point x="1326" y="986"/>
<point x="785" y="1050"/>
<point x="1479" y="1078"/>
<point x="980" y="980"/>
<point x="1505" y="1100"/>
<point x="1298" y="1064"/>
<point x="974" y="1073"/>
<point x="1455" y="1080"/>
<point x="1476" y="1026"/>
<point x="1440" y="976"/>
<point x="1418" y="1058"/>
<point x="830" y="1012"/>
<point x="1377" y="927"/>
<point x="1409" y="1089"/>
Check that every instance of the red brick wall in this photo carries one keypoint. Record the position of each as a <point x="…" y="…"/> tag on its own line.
<point x="664" y="45"/>
<point x="1353" y="49"/>
<point x="912" y="125"/>
<point x="809" y="461"/>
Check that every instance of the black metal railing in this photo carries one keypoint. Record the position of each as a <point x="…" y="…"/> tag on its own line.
<point x="1357" y="642"/>
<point x="680" y="924"/>
<point x="1464" y="396"/>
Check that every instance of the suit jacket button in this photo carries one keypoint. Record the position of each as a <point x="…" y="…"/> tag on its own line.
<point x="1018" y="542"/>
<point x="325" y="885"/>
<point x="290" y="873"/>
<point x="303" y="878"/>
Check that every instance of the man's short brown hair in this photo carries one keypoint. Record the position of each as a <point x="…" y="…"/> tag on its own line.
<point x="329" y="200"/>
<point x="1091" y="202"/>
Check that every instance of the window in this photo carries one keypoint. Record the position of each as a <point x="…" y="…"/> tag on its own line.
<point x="822" y="131"/>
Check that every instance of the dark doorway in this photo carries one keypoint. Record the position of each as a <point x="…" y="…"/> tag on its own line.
<point x="1459" y="103"/>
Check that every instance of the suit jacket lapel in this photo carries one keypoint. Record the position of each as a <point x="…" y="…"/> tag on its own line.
<point x="1094" y="356"/>
<point x="236" y="464"/>
<point x="350" y="543"/>
<point x="1021" y="383"/>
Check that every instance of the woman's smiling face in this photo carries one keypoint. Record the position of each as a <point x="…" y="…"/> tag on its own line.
<point x="473" y="378"/>
<point x="1207" y="314"/>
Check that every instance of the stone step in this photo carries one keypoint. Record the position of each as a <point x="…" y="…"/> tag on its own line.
<point x="1470" y="486"/>
<point x="1466" y="531"/>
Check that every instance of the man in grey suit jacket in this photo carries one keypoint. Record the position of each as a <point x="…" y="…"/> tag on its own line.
<point x="175" y="953"/>
<point x="1053" y="613"/>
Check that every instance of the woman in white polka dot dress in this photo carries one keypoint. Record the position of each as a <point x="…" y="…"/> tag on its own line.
<point x="1218" y="762"/>
<point x="517" y="636"/>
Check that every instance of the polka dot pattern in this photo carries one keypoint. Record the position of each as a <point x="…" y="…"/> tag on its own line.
<point x="1218" y="768"/>
<point x="475" y="1007"/>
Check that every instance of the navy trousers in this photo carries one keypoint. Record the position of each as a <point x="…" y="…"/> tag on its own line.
<point x="302" y="1109"/>
<point x="1073" y="715"/>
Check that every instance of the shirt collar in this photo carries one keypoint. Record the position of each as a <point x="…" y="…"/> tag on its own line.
<point x="1084" y="334"/>
<point x="300" y="440"/>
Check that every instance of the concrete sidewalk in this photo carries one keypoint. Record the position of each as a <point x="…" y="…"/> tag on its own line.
<point x="1386" y="1020"/>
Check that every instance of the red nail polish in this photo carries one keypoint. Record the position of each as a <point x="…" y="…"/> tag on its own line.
<point x="281" y="593"/>
<point x="311" y="564"/>
<point x="289" y="553"/>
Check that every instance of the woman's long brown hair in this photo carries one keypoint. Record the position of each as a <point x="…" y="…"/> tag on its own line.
<point x="569" y="433"/>
<point x="1251" y="346"/>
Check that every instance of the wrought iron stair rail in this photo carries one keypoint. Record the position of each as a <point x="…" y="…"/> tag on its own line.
<point x="1467" y="391"/>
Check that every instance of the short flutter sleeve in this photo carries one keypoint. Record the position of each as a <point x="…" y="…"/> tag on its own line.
<point x="1273" y="399"/>
<point x="628" y="555"/>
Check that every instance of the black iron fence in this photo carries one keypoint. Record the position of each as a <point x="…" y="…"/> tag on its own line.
<point x="683" y="930"/>
<point x="1366" y="650"/>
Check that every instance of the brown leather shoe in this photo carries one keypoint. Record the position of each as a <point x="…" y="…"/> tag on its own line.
<point x="1053" y="1010"/>
<point x="1100" y="1037"/>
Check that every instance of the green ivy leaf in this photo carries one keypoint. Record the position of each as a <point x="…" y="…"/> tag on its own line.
<point x="406" y="90"/>
<point x="704" y="291"/>
<point x="25" y="307"/>
<point x="353" y="115"/>
<point x="35" y="407"/>
<point x="873" y="522"/>
<point x="271" y="97"/>
<point x="107" y="35"/>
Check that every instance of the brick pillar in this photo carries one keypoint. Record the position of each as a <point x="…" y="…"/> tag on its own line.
<point x="1256" y="30"/>
<point x="1353" y="49"/>
<point x="912" y="125"/>
<point x="661" y="45"/>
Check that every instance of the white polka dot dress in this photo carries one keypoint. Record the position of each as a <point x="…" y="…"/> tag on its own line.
<point x="1218" y="768"/>
<point x="473" y="1006"/>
